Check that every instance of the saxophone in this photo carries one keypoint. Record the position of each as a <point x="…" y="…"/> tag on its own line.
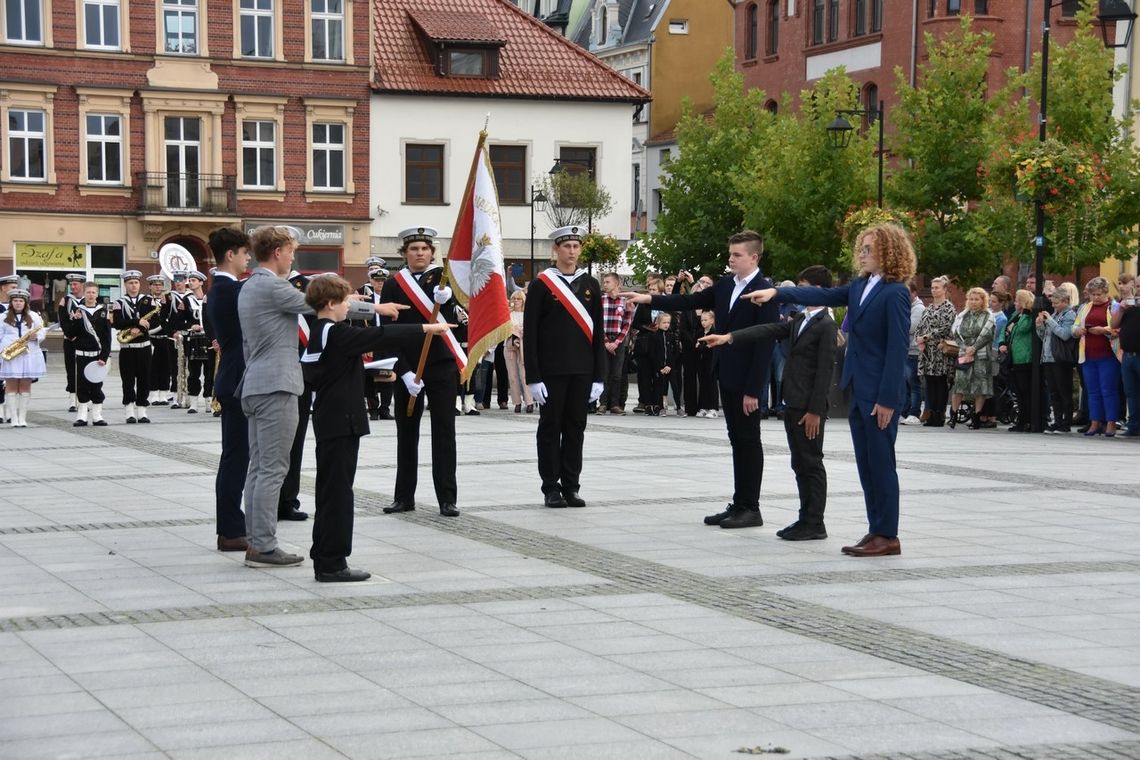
<point x="128" y="334"/>
<point x="20" y="345"/>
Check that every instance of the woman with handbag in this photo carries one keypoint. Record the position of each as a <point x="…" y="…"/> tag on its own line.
<point x="972" y="376"/>
<point x="1017" y="349"/>
<point x="1097" y="356"/>
<point x="1058" y="357"/>
<point x="936" y="352"/>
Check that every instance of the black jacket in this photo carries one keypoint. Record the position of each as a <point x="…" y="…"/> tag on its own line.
<point x="811" y="360"/>
<point x="222" y="315"/>
<point x="98" y="338"/>
<point x="407" y="351"/>
<point x="553" y="343"/>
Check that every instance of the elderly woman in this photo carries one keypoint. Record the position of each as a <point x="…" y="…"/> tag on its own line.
<point x="1099" y="366"/>
<point x="1016" y="340"/>
<point x="974" y="332"/>
<point x="934" y="365"/>
<point x="1058" y="357"/>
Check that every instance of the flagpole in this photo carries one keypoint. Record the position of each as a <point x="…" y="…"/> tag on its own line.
<point x="447" y="270"/>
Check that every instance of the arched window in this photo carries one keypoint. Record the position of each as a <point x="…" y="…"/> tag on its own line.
<point x="772" y="107"/>
<point x="603" y="27"/>
<point x="753" y="45"/>
<point x="773" y="38"/>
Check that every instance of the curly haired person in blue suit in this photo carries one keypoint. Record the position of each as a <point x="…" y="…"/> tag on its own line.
<point x="878" y="318"/>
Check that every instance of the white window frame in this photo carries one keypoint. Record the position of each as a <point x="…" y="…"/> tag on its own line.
<point x="182" y="9"/>
<point x="86" y="31"/>
<point x="27" y="135"/>
<point x="258" y="13"/>
<point x="329" y="148"/>
<point x="329" y="19"/>
<point x="103" y="140"/>
<point x="330" y="111"/>
<point x="258" y="145"/>
<point x="44" y="8"/>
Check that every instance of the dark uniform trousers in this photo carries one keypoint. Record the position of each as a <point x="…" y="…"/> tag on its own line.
<point x="441" y="386"/>
<point x="232" y="468"/>
<point x="162" y="364"/>
<point x="332" y="524"/>
<point x="134" y="369"/>
<point x="289" y="499"/>
<point x="562" y="431"/>
<point x="69" y="365"/>
<point x="747" y="450"/>
<point x="807" y="463"/>
<point x="85" y="390"/>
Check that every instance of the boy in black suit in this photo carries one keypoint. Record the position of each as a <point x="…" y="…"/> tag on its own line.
<point x="332" y="366"/>
<point x="807" y="385"/>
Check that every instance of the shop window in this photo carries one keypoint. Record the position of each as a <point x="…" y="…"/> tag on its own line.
<point x="423" y="173"/>
<point x="314" y="260"/>
<point x="509" y="165"/>
<point x="104" y="149"/>
<point x="180" y="27"/>
<point x="107" y="256"/>
<point x="328" y="30"/>
<point x="328" y="156"/>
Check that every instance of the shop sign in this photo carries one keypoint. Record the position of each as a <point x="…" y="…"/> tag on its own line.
<point x="312" y="234"/>
<point x="51" y="256"/>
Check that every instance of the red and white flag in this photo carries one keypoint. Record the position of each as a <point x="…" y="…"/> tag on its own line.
<point x="475" y="262"/>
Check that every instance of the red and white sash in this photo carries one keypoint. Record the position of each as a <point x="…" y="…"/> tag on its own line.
<point x="303" y="330"/>
<point x="562" y="293"/>
<point x="420" y="301"/>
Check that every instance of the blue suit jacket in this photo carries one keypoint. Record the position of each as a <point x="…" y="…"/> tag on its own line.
<point x="878" y="336"/>
<point x="222" y="314"/>
<point x="739" y="368"/>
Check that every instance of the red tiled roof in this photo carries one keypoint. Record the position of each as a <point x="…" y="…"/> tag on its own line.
<point x="534" y="61"/>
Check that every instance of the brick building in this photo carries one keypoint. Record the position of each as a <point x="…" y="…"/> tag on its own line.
<point x="126" y="126"/>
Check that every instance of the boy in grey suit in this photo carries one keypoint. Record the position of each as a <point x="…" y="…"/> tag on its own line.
<point x="268" y="308"/>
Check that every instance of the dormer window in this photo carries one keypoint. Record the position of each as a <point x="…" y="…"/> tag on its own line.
<point x="462" y="44"/>
<point x="467" y="63"/>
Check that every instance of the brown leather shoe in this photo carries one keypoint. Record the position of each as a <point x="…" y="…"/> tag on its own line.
<point x="878" y="546"/>
<point x="239" y="544"/>
<point x="862" y="542"/>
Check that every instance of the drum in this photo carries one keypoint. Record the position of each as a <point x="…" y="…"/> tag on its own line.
<point x="198" y="347"/>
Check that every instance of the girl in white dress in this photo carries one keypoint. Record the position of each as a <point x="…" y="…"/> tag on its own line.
<point x="19" y="371"/>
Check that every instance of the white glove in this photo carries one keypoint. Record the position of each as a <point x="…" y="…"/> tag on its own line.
<point x="538" y="392"/>
<point x="410" y="383"/>
<point x="596" y="391"/>
<point x="441" y="295"/>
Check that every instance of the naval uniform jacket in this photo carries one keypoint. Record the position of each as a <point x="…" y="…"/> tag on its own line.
<point x="92" y="333"/>
<point x="553" y="342"/>
<point x="407" y="351"/>
<point x="67" y="304"/>
<point x="130" y="311"/>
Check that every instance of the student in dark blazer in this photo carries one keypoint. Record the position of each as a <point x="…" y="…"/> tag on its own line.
<point x="740" y="370"/>
<point x="230" y="248"/>
<point x="878" y="318"/>
<point x="810" y="336"/>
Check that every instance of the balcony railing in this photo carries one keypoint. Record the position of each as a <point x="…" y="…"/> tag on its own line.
<point x="173" y="193"/>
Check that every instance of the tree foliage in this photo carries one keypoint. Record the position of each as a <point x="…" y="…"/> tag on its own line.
<point x="574" y="198"/>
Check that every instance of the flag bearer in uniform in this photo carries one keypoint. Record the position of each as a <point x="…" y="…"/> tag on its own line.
<point x="88" y="330"/>
<point x="417" y="285"/>
<point x="130" y="313"/>
<point x="564" y="352"/>
<point x="67" y="305"/>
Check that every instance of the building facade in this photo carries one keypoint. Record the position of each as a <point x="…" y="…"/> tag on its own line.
<point x="127" y="126"/>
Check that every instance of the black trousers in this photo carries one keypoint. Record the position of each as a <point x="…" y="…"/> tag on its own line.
<point x="747" y="450"/>
<point x="134" y="370"/>
<point x="646" y="382"/>
<point x="195" y="373"/>
<point x="807" y="464"/>
<point x="441" y="386"/>
<point x="1061" y="392"/>
<point x="690" y="388"/>
<point x="232" y="468"/>
<point x="291" y="487"/>
<point x="562" y="431"/>
<point x="86" y="391"/>
<point x="69" y="365"/>
<point x="502" y="381"/>
<point x="332" y="523"/>
<point x="1021" y="375"/>
<point x="162" y="364"/>
<point x="708" y="397"/>
<point x="613" y="374"/>
<point x="937" y="393"/>
<point x="625" y="375"/>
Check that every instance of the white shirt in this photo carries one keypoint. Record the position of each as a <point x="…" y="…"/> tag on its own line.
<point x="809" y="315"/>
<point x="220" y="273"/>
<point x="740" y="283"/>
<point x="872" y="281"/>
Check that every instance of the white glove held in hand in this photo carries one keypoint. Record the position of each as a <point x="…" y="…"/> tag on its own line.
<point x="441" y="295"/>
<point x="538" y="392"/>
<point x="596" y="392"/>
<point x="410" y="383"/>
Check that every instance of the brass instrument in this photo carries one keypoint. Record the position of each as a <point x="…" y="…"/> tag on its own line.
<point x="20" y="345"/>
<point x="181" y="394"/>
<point x="128" y="334"/>
<point x="215" y="405"/>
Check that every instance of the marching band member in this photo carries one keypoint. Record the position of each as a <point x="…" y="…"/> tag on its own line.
<point x="66" y="306"/>
<point x="162" y="353"/>
<point x="564" y="353"/>
<point x="89" y="330"/>
<point x="178" y="315"/>
<point x="130" y="312"/>
<point x="199" y="357"/>
<point x="28" y="365"/>
<point x="371" y="264"/>
<point x="417" y="286"/>
<point x="378" y="396"/>
<point x="8" y="283"/>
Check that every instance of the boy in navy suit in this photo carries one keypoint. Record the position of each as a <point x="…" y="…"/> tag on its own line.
<point x="740" y="370"/>
<point x="878" y="315"/>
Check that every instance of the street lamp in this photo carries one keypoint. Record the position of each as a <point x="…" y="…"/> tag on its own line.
<point x="588" y="165"/>
<point x="840" y="132"/>
<point x="537" y="203"/>
<point x="1110" y="12"/>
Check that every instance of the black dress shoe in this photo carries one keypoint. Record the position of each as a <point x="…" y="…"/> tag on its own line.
<point x="554" y="500"/>
<point x="373" y="414"/>
<point x="79" y="423"/>
<point x="385" y="415"/>
<point x="448" y="510"/>
<point x="399" y="506"/>
<point x="720" y="517"/>
<point x="347" y="575"/>
<point x="745" y="518"/>
<point x="295" y="515"/>
<point x="572" y="499"/>
<point x="802" y="532"/>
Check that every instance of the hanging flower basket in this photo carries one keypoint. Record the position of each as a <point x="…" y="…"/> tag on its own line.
<point x="1056" y="173"/>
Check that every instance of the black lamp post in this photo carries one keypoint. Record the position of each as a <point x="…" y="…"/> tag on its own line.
<point x="588" y="165"/>
<point x="1111" y="12"/>
<point x="537" y="203"/>
<point x="840" y="132"/>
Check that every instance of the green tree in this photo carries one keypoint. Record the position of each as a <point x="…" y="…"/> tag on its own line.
<point x="574" y="198"/>
<point x="698" y="193"/>
<point x="603" y="250"/>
